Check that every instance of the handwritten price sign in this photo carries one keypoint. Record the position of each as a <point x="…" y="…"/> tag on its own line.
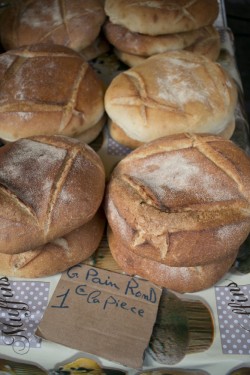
<point x="102" y="313"/>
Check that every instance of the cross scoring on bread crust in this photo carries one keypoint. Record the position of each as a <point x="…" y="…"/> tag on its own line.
<point x="161" y="237"/>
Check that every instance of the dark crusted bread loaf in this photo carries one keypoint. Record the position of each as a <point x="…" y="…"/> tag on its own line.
<point x="58" y="255"/>
<point x="46" y="90"/>
<point x="178" y="279"/>
<point x="182" y="200"/>
<point x="49" y="186"/>
<point x="74" y="24"/>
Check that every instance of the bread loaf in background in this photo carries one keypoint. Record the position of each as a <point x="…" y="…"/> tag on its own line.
<point x="49" y="186"/>
<point x="171" y="93"/>
<point x="72" y="23"/>
<point x="46" y="90"/>
<point x="140" y="29"/>
<point x="159" y="17"/>
<point x="179" y="209"/>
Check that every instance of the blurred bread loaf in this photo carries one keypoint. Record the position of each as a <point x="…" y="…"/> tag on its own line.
<point x="170" y="93"/>
<point x="49" y="186"/>
<point x="74" y="24"/>
<point x="46" y="90"/>
<point x="178" y="210"/>
<point x="143" y="29"/>
<point x="159" y="17"/>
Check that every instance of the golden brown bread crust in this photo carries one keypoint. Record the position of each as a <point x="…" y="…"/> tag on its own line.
<point x="121" y="137"/>
<point x="178" y="279"/>
<point x="47" y="90"/>
<point x="207" y="44"/>
<point x="49" y="186"/>
<point x="157" y="17"/>
<point x="182" y="200"/>
<point x="91" y="134"/>
<point x="188" y="93"/>
<point x="58" y="255"/>
<point x="74" y="24"/>
<point x="148" y="45"/>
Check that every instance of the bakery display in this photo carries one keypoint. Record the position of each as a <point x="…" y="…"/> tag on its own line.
<point x="74" y="24"/>
<point x="140" y="29"/>
<point x="171" y="93"/>
<point x="50" y="186"/>
<point x="216" y="277"/>
<point x="46" y="90"/>
<point x="178" y="210"/>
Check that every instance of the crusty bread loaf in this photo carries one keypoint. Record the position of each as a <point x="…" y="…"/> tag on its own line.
<point x="147" y="45"/>
<point x="182" y="200"/>
<point x="49" y="186"/>
<point x="169" y="93"/>
<point x="159" y="17"/>
<point x="57" y="255"/>
<point x="178" y="279"/>
<point x="75" y="24"/>
<point x="91" y="134"/>
<point x="46" y="90"/>
<point x="207" y="44"/>
<point x="121" y="137"/>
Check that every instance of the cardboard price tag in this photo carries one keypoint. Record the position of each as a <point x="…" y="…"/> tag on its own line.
<point x="104" y="313"/>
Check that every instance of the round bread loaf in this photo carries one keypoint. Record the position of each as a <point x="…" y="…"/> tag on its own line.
<point x="72" y="23"/>
<point x="49" y="186"/>
<point x="47" y="90"/>
<point x="182" y="200"/>
<point x="157" y="17"/>
<point x="121" y="137"/>
<point x="169" y="93"/>
<point x="178" y="279"/>
<point x="58" y="255"/>
<point x="148" y="45"/>
<point x="207" y="44"/>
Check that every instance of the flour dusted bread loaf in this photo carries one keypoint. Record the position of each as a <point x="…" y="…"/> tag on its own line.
<point x="46" y="90"/>
<point x="72" y="23"/>
<point x="205" y="41"/>
<point x="178" y="202"/>
<point x="179" y="279"/>
<point x="58" y="255"/>
<point x="140" y="29"/>
<point x="159" y="17"/>
<point x="49" y="186"/>
<point x="169" y="93"/>
<point x="147" y="45"/>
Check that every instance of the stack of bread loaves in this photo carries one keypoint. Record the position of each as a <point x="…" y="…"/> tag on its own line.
<point x="75" y="24"/>
<point x="49" y="89"/>
<point x="139" y="29"/>
<point x="178" y="210"/>
<point x="50" y="196"/>
<point x="170" y="93"/>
